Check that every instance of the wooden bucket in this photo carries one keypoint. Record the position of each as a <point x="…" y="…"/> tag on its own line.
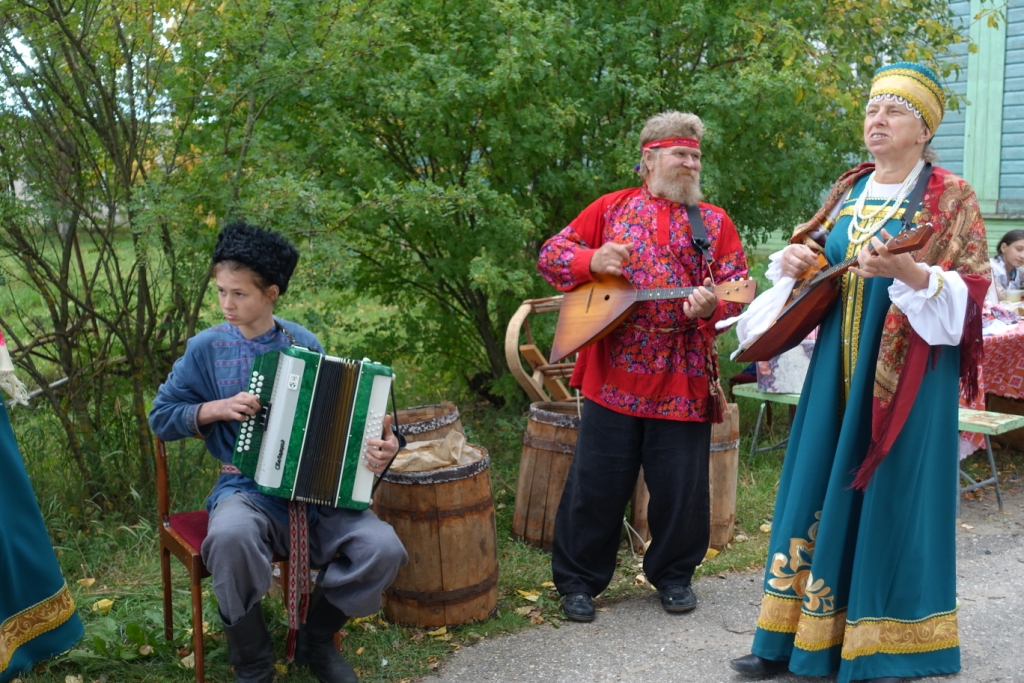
<point x="548" y="446"/>
<point x="723" y="473"/>
<point x="425" y="423"/>
<point x="445" y="519"/>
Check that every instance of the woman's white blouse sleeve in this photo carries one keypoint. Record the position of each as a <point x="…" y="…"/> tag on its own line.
<point x="936" y="312"/>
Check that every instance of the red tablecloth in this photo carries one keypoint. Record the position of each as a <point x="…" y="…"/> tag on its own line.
<point x="1002" y="373"/>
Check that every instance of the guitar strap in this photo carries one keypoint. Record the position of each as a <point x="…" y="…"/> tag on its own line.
<point x="916" y="196"/>
<point x="717" y="403"/>
<point x="700" y="233"/>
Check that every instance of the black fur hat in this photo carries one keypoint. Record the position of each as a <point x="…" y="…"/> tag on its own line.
<point x="267" y="253"/>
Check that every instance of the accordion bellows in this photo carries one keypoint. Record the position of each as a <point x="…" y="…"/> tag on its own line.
<point x="309" y="441"/>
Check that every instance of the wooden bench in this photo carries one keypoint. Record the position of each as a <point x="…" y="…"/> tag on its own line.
<point x="983" y="422"/>
<point x="989" y="424"/>
<point x="751" y="391"/>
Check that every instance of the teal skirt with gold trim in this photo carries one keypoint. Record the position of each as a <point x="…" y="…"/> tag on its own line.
<point x="37" y="613"/>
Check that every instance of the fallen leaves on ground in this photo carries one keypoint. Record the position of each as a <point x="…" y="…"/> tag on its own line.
<point x="534" y="614"/>
<point x="86" y="582"/>
<point x="360" y="651"/>
<point x="102" y="606"/>
<point x="188" y="662"/>
<point x="531" y="595"/>
<point x="766" y="528"/>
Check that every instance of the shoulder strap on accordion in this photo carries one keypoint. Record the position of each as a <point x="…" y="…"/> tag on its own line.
<point x="284" y="331"/>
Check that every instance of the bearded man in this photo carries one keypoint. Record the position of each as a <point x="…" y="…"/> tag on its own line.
<point x="650" y="387"/>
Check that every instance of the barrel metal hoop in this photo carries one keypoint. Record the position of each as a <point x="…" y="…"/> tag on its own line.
<point x="428" y="425"/>
<point x="549" y="417"/>
<point x="441" y="476"/>
<point x="725" y="445"/>
<point x="548" y="445"/>
<point x="388" y="513"/>
<point x="441" y="597"/>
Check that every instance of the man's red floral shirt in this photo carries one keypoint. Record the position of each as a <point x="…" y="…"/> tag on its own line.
<point x="653" y="364"/>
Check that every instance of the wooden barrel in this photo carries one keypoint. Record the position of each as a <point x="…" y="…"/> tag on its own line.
<point x="445" y="519"/>
<point x="548" y="446"/>
<point x="425" y="423"/>
<point x="723" y="470"/>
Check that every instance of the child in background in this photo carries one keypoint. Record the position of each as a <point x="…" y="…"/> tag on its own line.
<point x="1007" y="272"/>
<point x="357" y="554"/>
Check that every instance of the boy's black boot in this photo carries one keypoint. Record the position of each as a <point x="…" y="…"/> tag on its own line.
<point x="315" y="646"/>
<point x="250" y="650"/>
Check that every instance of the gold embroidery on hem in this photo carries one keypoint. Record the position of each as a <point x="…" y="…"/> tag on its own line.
<point x="814" y="633"/>
<point x="34" y="621"/>
<point x="867" y="637"/>
<point x="779" y="614"/>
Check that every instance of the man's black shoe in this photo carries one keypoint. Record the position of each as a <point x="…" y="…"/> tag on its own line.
<point x="758" y="667"/>
<point x="578" y="607"/>
<point x="678" y="598"/>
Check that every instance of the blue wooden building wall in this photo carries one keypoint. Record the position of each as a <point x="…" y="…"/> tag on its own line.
<point x="949" y="139"/>
<point x="1011" y="172"/>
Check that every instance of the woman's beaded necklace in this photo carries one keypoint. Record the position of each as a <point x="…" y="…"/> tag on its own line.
<point x="864" y="224"/>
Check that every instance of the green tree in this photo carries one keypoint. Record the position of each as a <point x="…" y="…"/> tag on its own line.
<point x="451" y="139"/>
<point x="129" y="131"/>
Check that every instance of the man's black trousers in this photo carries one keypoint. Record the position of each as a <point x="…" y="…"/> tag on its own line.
<point x="610" y="449"/>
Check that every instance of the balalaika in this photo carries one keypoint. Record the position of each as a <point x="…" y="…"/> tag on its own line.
<point x="308" y="442"/>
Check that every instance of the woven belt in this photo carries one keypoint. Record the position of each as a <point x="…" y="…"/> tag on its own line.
<point x="652" y="330"/>
<point x="298" y="588"/>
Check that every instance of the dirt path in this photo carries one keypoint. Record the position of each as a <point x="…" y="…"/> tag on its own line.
<point x="636" y="641"/>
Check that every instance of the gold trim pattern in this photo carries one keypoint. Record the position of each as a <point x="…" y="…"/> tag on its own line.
<point x="814" y="633"/>
<point x="34" y="621"/>
<point x="917" y="76"/>
<point x="848" y="211"/>
<point x="779" y="614"/>
<point x="867" y="637"/>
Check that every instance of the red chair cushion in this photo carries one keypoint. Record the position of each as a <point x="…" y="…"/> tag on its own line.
<point x="191" y="526"/>
<point x="742" y="378"/>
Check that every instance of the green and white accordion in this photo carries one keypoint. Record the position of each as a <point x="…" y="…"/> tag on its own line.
<point x="308" y="442"/>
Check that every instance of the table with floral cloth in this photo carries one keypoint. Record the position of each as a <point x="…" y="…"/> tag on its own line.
<point x="1002" y="373"/>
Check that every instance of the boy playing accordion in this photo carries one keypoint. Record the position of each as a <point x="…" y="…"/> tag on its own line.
<point x="205" y="395"/>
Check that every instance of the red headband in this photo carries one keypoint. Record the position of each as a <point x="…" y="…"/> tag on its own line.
<point x="672" y="142"/>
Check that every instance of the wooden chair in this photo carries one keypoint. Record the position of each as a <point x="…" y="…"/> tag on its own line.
<point x="182" y="534"/>
<point x="545" y="383"/>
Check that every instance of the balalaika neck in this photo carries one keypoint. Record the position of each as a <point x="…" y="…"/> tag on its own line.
<point x="667" y="293"/>
<point x="839" y="269"/>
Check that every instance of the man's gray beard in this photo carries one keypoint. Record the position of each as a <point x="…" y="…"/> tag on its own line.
<point x="684" y="190"/>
